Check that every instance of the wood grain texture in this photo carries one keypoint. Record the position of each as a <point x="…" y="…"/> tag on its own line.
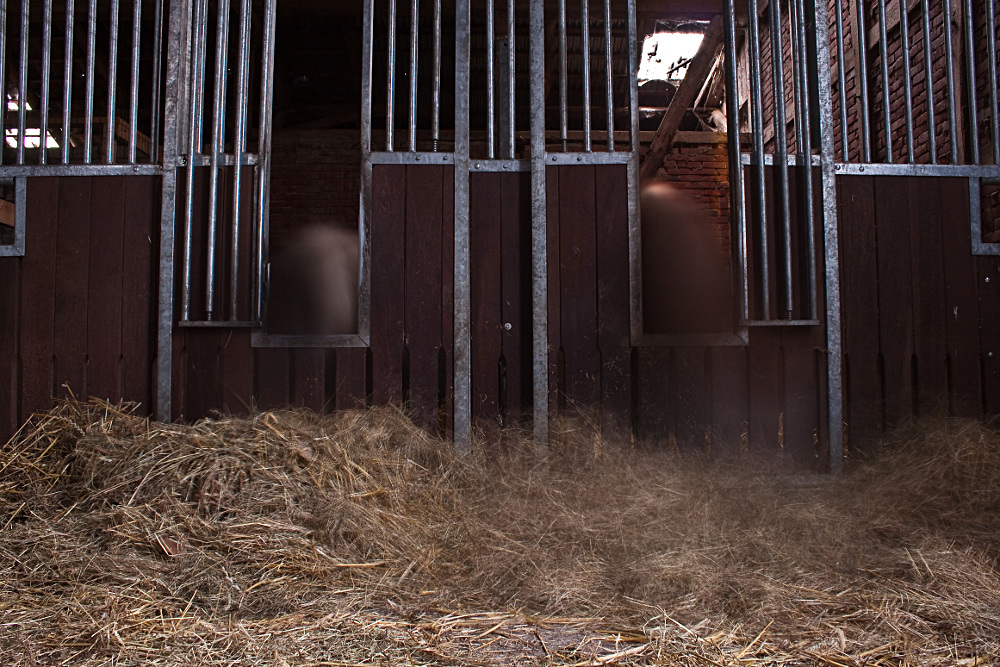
<point x="515" y="254"/>
<point x="554" y="282"/>
<point x="765" y="385"/>
<point x="388" y="247"/>
<point x="655" y="418"/>
<point x="691" y="393"/>
<point x="140" y="252"/>
<point x="71" y="287"/>
<point x="10" y="319"/>
<point x="272" y="378"/>
<point x="104" y="327"/>
<point x="485" y="206"/>
<point x="308" y="378"/>
<point x="730" y="398"/>
<point x="350" y="373"/>
<point x="988" y="280"/>
<point x="237" y="370"/>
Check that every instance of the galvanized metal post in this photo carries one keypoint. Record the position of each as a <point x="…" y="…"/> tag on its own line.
<point x="462" y="358"/>
<point x="539" y="270"/>
<point x="737" y="206"/>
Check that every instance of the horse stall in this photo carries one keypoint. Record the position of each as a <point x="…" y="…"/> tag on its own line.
<point x="163" y="160"/>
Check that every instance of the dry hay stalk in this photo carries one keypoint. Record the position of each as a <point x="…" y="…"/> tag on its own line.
<point x="356" y="538"/>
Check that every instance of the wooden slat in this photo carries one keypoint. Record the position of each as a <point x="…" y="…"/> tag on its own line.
<point x="859" y="274"/>
<point x="613" y="298"/>
<point x="387" y="282"/>
<point x="655" y="405"/>
<point x="10" y="389"/>
<point x="71" y="293"/>
<point x="554" y="280"/>
<point x="485" y="207"/>
<point x="237" y="372"/>
<point x="765" y="365"/>
<point x="202" y="372"/>
<point x="37" y="296"/>
<point x="578" y="285"/>
<point x="801" y="395"/>
<point x="104" y="327"/>
<point x="692" y="395"/>
<point x="139" y="288"/>
<point x="350" y="373"/>
<point x="730" y="399"/>
<point x="988" y="279"/>
<point x="272" y="386"/>
<point x="447" y="297"/>
<point x="422" y="307"/>
<point x="308" y="378"/>
<point x="515" y="254"/>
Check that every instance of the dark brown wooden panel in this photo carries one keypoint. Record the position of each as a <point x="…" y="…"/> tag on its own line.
<point x="515" y="254"/>
<point x="202" y="372"/>
<point x="447" y="296"/>
<point x="801" y="394"/>
<point x="308" y="378"/>
<point x="139" y="287"/>
<point x="765" y="385"/>
<point x="656" y="409"/>
<point x="859" y="307"/>
<point x="37" y="295"/>
<point x="237" y="372"/>
<point x="388" y="245"/>
<point x="422" y="307"/>
<point x="71" y="288"/>
<point x="10" y="389"/>
<point x="485" y="206"/>
<point x="104" y="326"/>
<point x="350" y="390"/>
<point x="554" y="281"/>
<point x="691" y="394"/>
<point x="578" y="285"/>
<point x="730" y="401"/>
<point x="613" y="297"/>
<point x="272" y="367"/>
<point x="988" y="279"/>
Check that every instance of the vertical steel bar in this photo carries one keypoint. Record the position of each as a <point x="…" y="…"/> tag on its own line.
<point x="835" y="419"/>
<point x="43" y="125"/>
<point x="512" y="85"/>
<point x="884" y="58"/>
<point x="365" y="195"/>
<point x="390" y="79"/>
<point x="991" y="55"/>
<point x="263" y="194"/>
<point x="949" y="58"/>
<point x="88" y="100"/>
<point x="862" y="37"/>
<point x="154" y="125"/>
<point x="133" y="115"/>
<point x="929" y="81"/>
<point x="633" y="93"/>
<point x="109" y="137"/>
<point x="609" y="77"/>
<point x="781" y="152"/>
<point x="585" y="48"/>
<point x="841" y="80"/>
<point x="67" y="81"/>
<point x="563" y="64"/>
<point x="632" y="181"/>
<point x="462" y="354"/>
<point x="239" y="148"/>
<point x="436" y="101"/>
<point x="795" y="61"/>
<point x="805" y="166"/>
<point x="737" y="206"/>
<point x="970" y="75"/>
<point x="757" y="159"/>
<point x="904" y="31"/>
<point x="490" y="92"/>
<point x="539" y="271"/>
<point x="22" y="82"/>
<point x="414" y="43"/>
<point x="218" y="143"/>
<point x="197" y="71"/>
<point x="3" y="74"/>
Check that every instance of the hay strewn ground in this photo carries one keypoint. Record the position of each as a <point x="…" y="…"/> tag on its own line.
<point x="288" y="539"/>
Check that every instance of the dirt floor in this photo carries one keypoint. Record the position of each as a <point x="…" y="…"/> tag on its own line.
<point x="357" y="539"/>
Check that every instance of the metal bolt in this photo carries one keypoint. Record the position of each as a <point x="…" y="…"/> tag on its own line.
<point x="477" y="165"/>
<point x="987" y="278"/>
<point x="507" y="327"/>
<point x="579" y="159"/>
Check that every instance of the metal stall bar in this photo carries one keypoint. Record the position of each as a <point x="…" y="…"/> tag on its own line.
<point x="154" y="126"/>
<point x="109" y="132"/>
<point x="585" y="48"/>
<point x="88" y="99"/>
<point x="490" y="65"/>
<point x="218" y="144"/>
<point x="193" y="144"/>
<point x="834" y="393"/>
<point x="462" y="356"/>
<point x="436" y="94"/>
<point x="841" y="79"/>
<point x="390" y="79"/>
<point x="991" y="56"/>
<point x="133" y="114"/>
<point x="414" y="37"/>
<point x="884" y="57"/>
<point x="22" y="82"/>
<point x="539" y="269"/>
<point x="43" y="107"/>
<point x="781" y="154"/>
<point x="365" y="189"/>
<point x="179" y="19"/>
<point x="794" y="61"/>
<point x="263" y="194"/>
<point x="563" y="94"/>
<point x="3" y="74"/>
<point x="735" y="163"/>
<point x="929" y="81"/>
<point x="239" y="148"/>
<point x="970" y="72"/>
<point x="512" y="81"/>
<point x="904" y="28"/>
<point x="949" y="58"/>
<point x="633" y="110"/>
<point x="804" y="161"/>
<point x="67" y="80"/>
<point x="862" y="37"/>
<point x="608" y="77"/>
<point x="757" y="156"/>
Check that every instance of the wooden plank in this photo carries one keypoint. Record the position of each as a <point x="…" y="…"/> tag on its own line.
<point x="515" y="255"/>
<point x="202" y="372"/>
<point x="446" y="361"/>
<point x="272" y="367"/>
<point x="37" y="291"/>
<point x="139" y="288"/>
<point x="554" y="281"/>
<point x="485" y="205"/>
<point x="894" y="296"/>
<point x="859" y="311"/>
<point x="104" y="327"/>
<point x="613" y="298"/>
<point x="350" y="391"/>
<point x="71" y="294"/>
<point x="988" y="280"/>
<point x="766" y="373"/>
<point x="422" y="306"/>
<point x="730" y="398"/>
<point x="388" y="224"/>
<point x="692" y="396"/>
<point x="930" y="342"/>
<point x="962" y="309"/>
<point x="578" y="285"/>
<point x="10" y="319"/>
<point x="655" y="418"/>
<point x="236" y="359"/>
<point x="308" y="380"/>
<point x="801" y="396"/>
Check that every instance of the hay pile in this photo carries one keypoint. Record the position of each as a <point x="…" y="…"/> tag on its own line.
<point x="356" y="539"/>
